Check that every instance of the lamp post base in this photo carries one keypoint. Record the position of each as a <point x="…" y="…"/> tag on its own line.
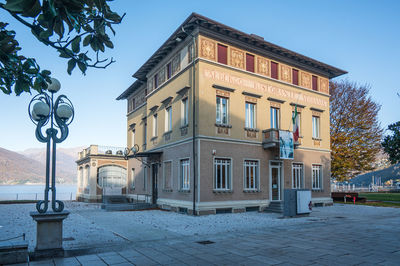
<point x="49" y="233"/>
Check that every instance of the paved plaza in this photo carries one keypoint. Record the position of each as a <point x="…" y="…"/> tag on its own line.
<point x="338" y="235"/>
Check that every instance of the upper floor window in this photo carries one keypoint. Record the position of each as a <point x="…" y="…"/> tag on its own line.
<point x="295" y="76"/>
<point x="155" y="81"/>
<point x="133" y="133"/>
<point x="274" y="117"/>
<point x="222" y="174"/>
<point x="169" y="70"/>
<point x="144" y="134"/>
<point x="251" y="175"/>
<point x="315" y="127"/>
<point x="222" y="54"/>
<point x="131" y="105"/>
<point x="222" y="110"/>
<point x="155" y="129"/>
<point x="297" y="175"/>
<point x="190" y="53"/>
<point x="250" y="120"/>
<point x="315" y="83"/>
<point x="168" y="119"/>
<point x="185" y="112"/>
<point x="274" y="70"/>
<point x="250" y="62"/>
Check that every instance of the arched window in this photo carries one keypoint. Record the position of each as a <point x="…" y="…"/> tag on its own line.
<point x="112" y="176"/>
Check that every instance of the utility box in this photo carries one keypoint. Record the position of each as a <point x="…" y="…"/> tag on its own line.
<point x="296" y="202"/>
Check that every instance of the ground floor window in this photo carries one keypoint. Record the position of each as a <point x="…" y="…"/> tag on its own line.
<point x="185" y="174"/>
<point x="251" y="171"/>
<point x="222" y="174"/>
<point x="297" y="175"/>
<point x="133" y="178"/>
<point x="316" y="176"/>
<point x="167" y="175"/>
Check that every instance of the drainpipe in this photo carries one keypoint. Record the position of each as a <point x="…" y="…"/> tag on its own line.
<point x="193" y="119"/>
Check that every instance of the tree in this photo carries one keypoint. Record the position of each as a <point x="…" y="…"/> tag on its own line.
<point x="391" y="143"/>
<point x="355" y="131"/>
<point x="68" y="26"/>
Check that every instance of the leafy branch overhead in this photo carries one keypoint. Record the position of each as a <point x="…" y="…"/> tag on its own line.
<point x="77" y="29"/>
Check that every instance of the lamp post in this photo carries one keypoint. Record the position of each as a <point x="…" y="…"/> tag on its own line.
<point x="45" y="111"/>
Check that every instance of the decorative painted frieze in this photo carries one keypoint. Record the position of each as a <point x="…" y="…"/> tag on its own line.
<point x="237" y="58"/>
<point x="306" y="80"/>
<point x="286" y="73"/>
<point x="207" y="49"/>
<point x="324" y="85"/>
<point x="262" y="66"/>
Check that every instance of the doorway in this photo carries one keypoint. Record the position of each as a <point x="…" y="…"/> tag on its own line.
<point x="154" y="179"/>
<point x="275" y="176"/>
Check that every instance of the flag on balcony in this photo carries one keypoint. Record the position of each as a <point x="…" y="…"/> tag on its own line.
<point x="295" y="121"/>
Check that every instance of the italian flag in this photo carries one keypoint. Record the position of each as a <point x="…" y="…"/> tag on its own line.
<point x="295" y="125"/>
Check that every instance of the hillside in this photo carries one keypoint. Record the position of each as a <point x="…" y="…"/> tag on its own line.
<point x="391" y="172"/>
<point x="29" y="166"/>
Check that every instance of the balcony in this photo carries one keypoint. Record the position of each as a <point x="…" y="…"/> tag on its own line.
<point x="101" y="150"/>
<point x="271" y="139"/>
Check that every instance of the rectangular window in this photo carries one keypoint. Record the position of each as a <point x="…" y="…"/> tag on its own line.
<point x="298" y="120"/>
<point x="316" y="176"/>
<point x="297" y="175"/>
<point x="133" y="138"/>
<point x="222" y="54"/>
<point x="222" y="174"/>
<point x="167" y="175"/>
<point x="251" y="175"/>
<point x="145" y="178"/>
<point x="190" y="53"/>
<point x="315" y="83"/>
<point x="295" y="76"/>
<point x="250" y="120"/>
<point x="155" y="126"/>
<point x="145" y="134"/>
<point x="168" y="119"/>
<point x="169" y="70"/>
<point x="274" y="117"/>
<point x="274" y="70"/>
<point x="185" y="174"/>
<point x="222" y="110"/>
<point x="250" y="62"/>
<point x="155" y="81"/>
<point x="315" y="127"/>
<point x="185" y="112"/>
<point x="133" y="178"/>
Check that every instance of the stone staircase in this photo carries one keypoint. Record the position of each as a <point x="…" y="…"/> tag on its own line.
<point x="275" y="206"/>
<point x="121" y="203"/>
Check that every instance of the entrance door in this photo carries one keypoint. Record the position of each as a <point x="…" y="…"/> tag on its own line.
<point x="154" y="177"/>
<point x="276" y="180"/>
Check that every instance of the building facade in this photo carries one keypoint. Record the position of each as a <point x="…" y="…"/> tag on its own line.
<point x="206" y="112"/>
<point x="101" y="171"/>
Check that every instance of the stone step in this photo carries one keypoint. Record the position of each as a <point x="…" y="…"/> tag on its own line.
<point x="128" y="206"/>
<point x="275" y="206"/>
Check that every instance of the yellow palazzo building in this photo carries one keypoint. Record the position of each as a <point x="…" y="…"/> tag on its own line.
<point x="206" y="114"/>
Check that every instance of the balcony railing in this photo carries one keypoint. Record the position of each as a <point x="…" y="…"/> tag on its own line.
<point x="96" y="149"/>
<point x="271" y="139"/>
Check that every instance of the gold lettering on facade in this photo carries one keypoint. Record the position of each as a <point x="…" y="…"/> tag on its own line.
<point x="237" y="58"/>
<point x="262" y="66"/>
<point x="286" y="73"/>
<point x="306" y="80"/>
<point x="207" y="49"/>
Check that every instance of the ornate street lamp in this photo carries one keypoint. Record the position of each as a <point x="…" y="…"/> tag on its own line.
<point x="43" y="110"/>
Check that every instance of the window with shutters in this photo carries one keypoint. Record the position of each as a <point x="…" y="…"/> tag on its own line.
<point x="250" y="62"/>
<point x="274" y="70"/>
<point x="167" y="175"/>
<point x="222" y="54"/>
<point x="315" y="83"/>
<point x="295" y="76"/>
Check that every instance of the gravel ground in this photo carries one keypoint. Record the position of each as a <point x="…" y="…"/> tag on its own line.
<point x="89" y="226"/>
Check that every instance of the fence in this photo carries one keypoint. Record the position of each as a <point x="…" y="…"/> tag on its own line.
<point x="36" y="196"/>
<point x="354" y="188"/>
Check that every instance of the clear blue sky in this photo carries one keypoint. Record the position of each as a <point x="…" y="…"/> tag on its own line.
<point x="361" y="37"/>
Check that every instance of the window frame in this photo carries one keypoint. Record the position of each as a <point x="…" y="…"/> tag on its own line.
<point x="133" y="137"/>
<point x="320" y="177"/>
<point x="277" y="117"/>
<point x="181" y="177"/>
<point x="314" y="83"/>
<point x="171" y="176"/>
<point x="228" y="180"/>
<point x="219" y="56"/>
<point x="257" y="175"/>
<point x="168" y="119"/>
<point x="221" y="110"/>
<point x="316" y="127"/>
<point x="133" y="177"/>
<point x="302" y="175"/>
<point x="169" y="70"/>
<point x="185" y="111"/>
<point x="145" y="179"/>
<point x="250" y="115"/>
<point x="155" y="125"/>
<point x="250" y="66"/>
<point x="295" y="73"/>
<point x="276" y="70"/>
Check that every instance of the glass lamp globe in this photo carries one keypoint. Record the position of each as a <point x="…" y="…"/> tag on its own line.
<point x="35" y="117"/>
<point x="64" y="112"/>
<point x="41" y="109"/>
<point x="54" y="86"/>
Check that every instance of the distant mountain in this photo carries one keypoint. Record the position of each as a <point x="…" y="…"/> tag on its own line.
<point x="29" y="166"/>
<point x="391" y="172"/>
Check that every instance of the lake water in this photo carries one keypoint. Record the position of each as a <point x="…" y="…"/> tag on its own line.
<point x="35" y="192"/>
